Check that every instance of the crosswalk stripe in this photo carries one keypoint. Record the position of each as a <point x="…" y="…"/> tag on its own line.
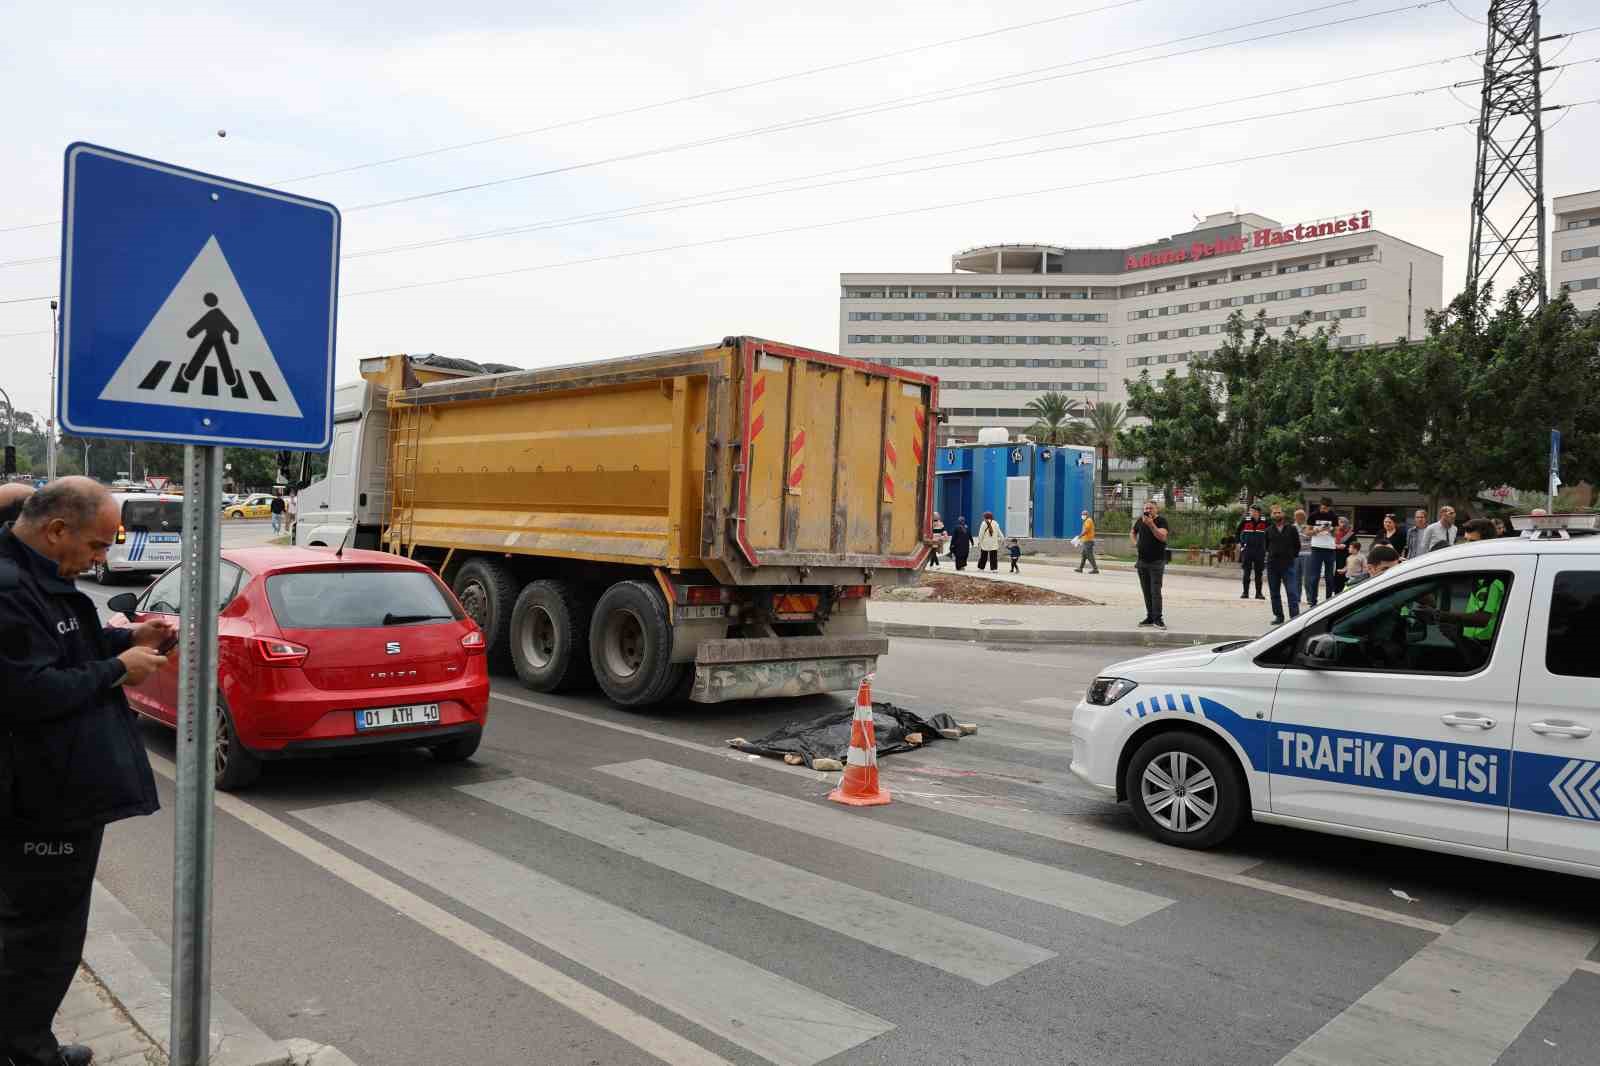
<point x="1460" y="1001"/>
<point x="1053" y="701"/>
<point x="938" y="941"/>
<point x="621" y="1021"/>
<point x="1055" y="887"/>
<point x="771" y="1016"/>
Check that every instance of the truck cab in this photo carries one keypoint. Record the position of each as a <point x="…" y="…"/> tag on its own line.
<point x="351" y="491"/>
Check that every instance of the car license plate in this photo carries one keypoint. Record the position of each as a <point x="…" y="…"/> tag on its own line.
<point x="389" y="717"/>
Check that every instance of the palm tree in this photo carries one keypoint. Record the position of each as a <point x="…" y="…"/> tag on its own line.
<point x="1101" y="423"/>
<point x="1051" y="412"/>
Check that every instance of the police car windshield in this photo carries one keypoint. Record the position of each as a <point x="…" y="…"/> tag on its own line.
<point x="152" y="516"/>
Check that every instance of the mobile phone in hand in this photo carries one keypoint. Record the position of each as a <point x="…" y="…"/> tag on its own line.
<point x="167" y="645"/>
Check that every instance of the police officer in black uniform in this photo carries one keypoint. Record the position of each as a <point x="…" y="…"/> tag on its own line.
<point x="70" y="755"/>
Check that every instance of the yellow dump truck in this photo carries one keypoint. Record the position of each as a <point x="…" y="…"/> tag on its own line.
<point x="705" y="523"/>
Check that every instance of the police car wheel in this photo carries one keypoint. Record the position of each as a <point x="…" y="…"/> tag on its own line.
<point x="1184" y="790"/>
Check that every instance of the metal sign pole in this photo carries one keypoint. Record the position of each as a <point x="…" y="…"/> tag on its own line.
<point x="197" y="723"/>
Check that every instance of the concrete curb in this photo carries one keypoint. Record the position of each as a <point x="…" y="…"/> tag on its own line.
<point x="134" y="966"/>
<point x="1149" y="638"/>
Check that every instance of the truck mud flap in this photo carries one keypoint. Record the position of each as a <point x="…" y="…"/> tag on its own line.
<point x="763" y="667"/>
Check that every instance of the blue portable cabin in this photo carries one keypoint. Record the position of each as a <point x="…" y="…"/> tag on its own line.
<point x="970" y="479"/>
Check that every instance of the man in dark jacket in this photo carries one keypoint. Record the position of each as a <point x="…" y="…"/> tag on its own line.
<point x="70" y="755"/>
<point x="1252" y="534"/>
<point x="1283" y="564"/>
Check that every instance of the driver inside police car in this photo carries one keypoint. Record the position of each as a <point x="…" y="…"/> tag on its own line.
<point x="73" y="760"/>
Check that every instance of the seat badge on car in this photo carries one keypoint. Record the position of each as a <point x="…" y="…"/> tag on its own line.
<point x="392" y="648"/>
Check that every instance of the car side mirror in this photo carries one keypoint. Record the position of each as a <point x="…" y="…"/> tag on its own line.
<point x="1319" y="650"/>
<point x="124" y="603"/>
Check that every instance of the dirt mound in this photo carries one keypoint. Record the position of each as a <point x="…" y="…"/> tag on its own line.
<point x="959" y="588"/>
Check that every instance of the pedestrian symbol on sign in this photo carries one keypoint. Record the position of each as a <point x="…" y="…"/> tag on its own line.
<point x="213" y="324"/>
<point x="163" y="369"/>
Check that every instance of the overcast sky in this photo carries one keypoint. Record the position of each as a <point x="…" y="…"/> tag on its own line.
<point x="303" y="88"/>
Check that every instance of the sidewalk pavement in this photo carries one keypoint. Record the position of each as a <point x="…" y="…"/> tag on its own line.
<point x="120" y="1003"/>
<point x="1197" y="610"/>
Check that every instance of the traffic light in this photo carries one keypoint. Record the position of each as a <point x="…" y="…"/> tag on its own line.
<point x="11" y="460"/>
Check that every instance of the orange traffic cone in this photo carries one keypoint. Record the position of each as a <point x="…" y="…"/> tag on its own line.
<point x="860" y="786"/>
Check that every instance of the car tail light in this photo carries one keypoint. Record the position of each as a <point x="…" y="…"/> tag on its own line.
<point x="275" y="651"/>
<point x="473" y="642"/>
<point x="855" y="592"/>
<point x="122" y="535"/>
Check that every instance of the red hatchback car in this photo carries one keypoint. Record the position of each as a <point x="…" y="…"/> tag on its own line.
<point x="318" y="653"/>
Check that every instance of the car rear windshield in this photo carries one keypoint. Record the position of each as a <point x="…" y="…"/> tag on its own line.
<point x="340" y="599"/>
<point x="152" y="516"/>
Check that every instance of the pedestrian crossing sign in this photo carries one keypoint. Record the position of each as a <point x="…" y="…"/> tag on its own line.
<point x="195" y="309"/>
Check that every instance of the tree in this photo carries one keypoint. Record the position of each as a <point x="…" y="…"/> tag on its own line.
<point x="1051" y="412"/>
<point x="1102" y="422"/>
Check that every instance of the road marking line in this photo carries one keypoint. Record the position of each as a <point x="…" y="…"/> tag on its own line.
<point x="933" y="939"/>
<point x="1095" y="838"/>
<point x="957" y="764"/>
<point x="1053" y="701"/>
<point x="1106" y="900"/>
<point x="1461" y="1000"/>
<point x="623" y="1022"/>
<point x="771" y="1016"/>
<point x="1039" y="721"/>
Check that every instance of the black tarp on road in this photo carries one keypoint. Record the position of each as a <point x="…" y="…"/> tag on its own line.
<point x="828" y="737"/>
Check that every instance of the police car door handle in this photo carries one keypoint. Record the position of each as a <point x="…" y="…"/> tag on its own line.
<point x="1561" y="729"/>
<point x="1476" y="720"/>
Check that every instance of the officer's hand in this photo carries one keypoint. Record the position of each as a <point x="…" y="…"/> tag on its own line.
<point x="153" y="633"/>
<point x="141" y="663"/>
<point x="1429" y="615"/>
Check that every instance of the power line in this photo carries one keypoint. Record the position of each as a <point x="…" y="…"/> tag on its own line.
<point x="965" y="90"/>
<point x="976" y="201"/>
<point x="701" y="199"/>
<point x="924" y="209"/>
<point x="709" y="93"/>
<point x="726" y="195"/>
<point x="986" y="85"/>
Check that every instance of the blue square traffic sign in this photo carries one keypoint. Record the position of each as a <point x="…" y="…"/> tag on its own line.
<point x="194" y="309"/>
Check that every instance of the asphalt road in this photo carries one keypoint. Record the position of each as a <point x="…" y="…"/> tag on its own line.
<point x="601" y="886"/>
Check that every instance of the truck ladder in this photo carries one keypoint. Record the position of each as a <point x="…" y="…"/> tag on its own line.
<point x="404" y="445"/>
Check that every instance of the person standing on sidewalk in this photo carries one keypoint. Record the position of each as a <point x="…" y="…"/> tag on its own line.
<point x="1324" y="555"/>
<point x="1086" y="544"/>
<point x="989" y="540"/>
<point x="1419" y="526"/>
<point x="1282" y="547"/>
<point x="1149" y="536"/>
<point x="1302" y="564"/>
<point x="277" y="513"/>
<point x="960" y="544"/>
<point x="1443" y="533"/>
<point x="74" y="760"/>
<point x="1252" y="536"/>
<point x="938" y="539"/>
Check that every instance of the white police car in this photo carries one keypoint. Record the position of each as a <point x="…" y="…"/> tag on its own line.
<point x="1452" y="703"/>
<point x="149" y="536"/>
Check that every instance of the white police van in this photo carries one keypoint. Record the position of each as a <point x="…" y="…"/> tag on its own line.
<point x="149" y="536"/>
<point x="1452" y="703"/>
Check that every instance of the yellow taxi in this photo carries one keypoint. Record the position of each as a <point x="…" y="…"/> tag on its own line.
<point x="257" y="506"/>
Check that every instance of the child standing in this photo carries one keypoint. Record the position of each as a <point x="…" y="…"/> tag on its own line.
<point x="1015" y="551"/>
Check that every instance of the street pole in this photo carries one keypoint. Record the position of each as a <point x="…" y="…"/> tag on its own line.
<point x="197" y="772"/>
<point x="86" y="460"/>
<point x="50" y="423"/>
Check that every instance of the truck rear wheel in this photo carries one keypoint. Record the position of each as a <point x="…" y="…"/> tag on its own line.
<point x="487" y="592"/>
<point x="550" y="636"/>
<point x="630" y="644"/>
